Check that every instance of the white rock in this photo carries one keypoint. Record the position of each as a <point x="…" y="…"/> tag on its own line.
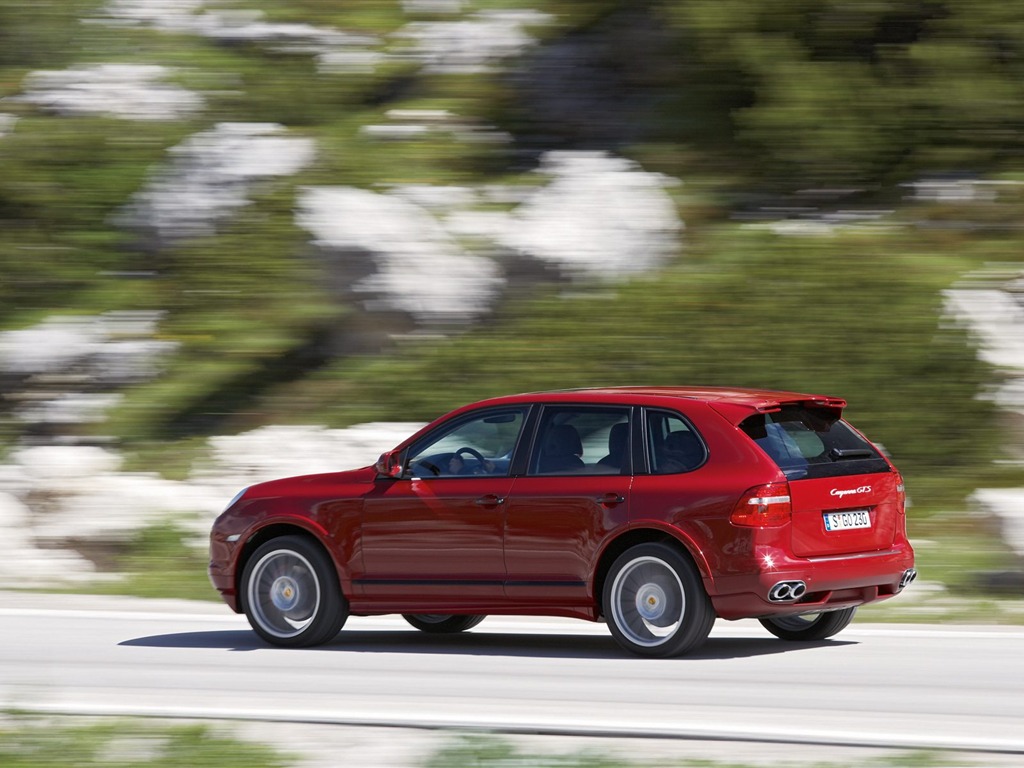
<point x="599" y="216"/>
<point x="1007" y="505"/>
<point x="22" y="563"/>
<point x="62" y="356"/>
<point x="51" y="465"/>
<point x="53" y="345"/>
<point x="14" y="522"/>
<point x="211" y="174"/>
<point x="350" y="61"/>
<point x="420" y="268"/>
<point x="69" y="408"/>
<point x="335" y="50"/>
<point x="126" y="91"/>
<point x="113" y="506"/>
<point x="996" y="318"/>
<point x="166" y="15"/>
<point x="7" y="123"/>
<point x="282" y="451"/>
<point x="432" y="6"/>
<point x="471" y="45"/>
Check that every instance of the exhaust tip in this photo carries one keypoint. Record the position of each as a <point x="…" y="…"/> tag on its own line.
<point x="787" y="591"/>
<point x="908" y="577"/>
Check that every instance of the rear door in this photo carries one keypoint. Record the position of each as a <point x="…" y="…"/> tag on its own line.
<point x="846" y="496"/>
<point x="574" y="494"/>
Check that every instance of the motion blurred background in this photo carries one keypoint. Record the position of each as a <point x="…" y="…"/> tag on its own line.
<point x="247" y="238"/>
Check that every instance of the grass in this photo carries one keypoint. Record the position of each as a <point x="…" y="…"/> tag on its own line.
<point x="489" y="752"/>
<point x="32" y="742"/>
<point x="60" y="742"/>
<point x="161" y="561"/>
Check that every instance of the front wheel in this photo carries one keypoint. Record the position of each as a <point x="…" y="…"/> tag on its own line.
<point x="809" y="626"/>
<point x="655" y="603"/>
<point x="290" y="593"/>
<point x="441" y="623"/>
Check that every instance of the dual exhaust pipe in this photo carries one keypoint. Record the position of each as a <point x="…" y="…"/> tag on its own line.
<point x="908" y="576"/>
<point x="791" y="591"/>
<point x="787" y="591"/>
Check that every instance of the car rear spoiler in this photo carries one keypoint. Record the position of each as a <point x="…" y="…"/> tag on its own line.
<point x="735" y="413"/>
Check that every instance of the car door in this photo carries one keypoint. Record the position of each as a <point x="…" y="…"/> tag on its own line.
<point x="573" y="495"/>
<point x="434" y="535"/>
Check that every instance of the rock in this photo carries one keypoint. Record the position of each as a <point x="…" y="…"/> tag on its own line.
<point x="599" y="216"/>
<point x="210" y="176"/>
<point x="125" y="91"/>
<point x="472" y="45"/>
<point x="22" y="563"/>
<point x="417" y="267"/>
<point x="1006" y="505"/>
<point x="7" y="123"/>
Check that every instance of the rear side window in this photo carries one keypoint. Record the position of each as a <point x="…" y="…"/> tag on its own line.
<point x="672" y="445"/>
<point x="810" y="443"/>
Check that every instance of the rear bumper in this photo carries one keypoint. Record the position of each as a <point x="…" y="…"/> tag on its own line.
<point x="831" y="583"/>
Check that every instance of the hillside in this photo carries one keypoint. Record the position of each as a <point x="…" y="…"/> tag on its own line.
<point x="216" y="217"/>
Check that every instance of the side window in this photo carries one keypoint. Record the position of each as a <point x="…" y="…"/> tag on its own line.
<point x="477" y="444"/>
<point x="578" y="440"/>
<point x="672" y="444"/>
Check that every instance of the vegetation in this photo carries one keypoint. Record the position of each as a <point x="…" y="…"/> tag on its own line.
<point x="28" y="742"/>
<point x="798" y="104"/>
<point x="488" y="752"/>
<point x="158" y="561"/>
<point x="32" y="742"/>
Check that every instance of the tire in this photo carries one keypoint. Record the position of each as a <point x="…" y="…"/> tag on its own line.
<point x="290" y="593"/>
<point x="809" y="626"/>
<point x="441" y="623"/>
<point x="655" y="603"/>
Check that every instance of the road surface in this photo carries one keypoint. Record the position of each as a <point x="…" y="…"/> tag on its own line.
<point x="874" y="685"/>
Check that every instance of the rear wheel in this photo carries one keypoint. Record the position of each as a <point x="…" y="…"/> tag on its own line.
<point x="655" y="603"/>
<point x="290" y="593"/>
<point x="809" y="626"/>
<point x="441" y="623"/>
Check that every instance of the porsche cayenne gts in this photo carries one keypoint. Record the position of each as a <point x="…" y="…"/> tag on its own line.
<point x="654" y="509"/>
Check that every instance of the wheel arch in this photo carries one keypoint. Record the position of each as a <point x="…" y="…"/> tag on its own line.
<point x="636" y="536"/>
<point x="276" y="531"/>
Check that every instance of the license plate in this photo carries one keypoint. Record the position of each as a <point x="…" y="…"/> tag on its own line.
<point x="845" y="521"/>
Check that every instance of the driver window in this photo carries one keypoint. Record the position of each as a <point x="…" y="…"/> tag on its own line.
<point x="477" y="444"/>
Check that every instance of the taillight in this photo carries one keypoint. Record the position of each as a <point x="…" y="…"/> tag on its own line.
<point x="901" y="496"/>
<point x="764" y="506"/>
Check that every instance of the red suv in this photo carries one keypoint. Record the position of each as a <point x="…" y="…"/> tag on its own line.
<point x="656" y="509"/>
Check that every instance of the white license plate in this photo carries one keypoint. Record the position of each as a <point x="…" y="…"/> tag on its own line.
<point x="845" y="521"/>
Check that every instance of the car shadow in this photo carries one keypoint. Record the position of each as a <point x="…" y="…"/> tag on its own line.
<point x="476" y="644"/>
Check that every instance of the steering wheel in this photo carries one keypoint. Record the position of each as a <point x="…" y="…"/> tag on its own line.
<point x="482" y="462"/>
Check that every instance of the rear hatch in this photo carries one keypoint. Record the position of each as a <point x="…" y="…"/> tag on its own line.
<point x="846" y="497"/>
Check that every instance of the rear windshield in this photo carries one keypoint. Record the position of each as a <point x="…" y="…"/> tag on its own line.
<point x="810" y="443"/>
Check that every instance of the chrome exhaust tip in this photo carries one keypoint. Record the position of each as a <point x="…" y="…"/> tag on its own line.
<point x="787" y="591"/>
<point x="908" y="576"/>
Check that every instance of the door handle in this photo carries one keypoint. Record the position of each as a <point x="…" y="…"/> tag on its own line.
<point x="490" y="500"/>
<point x="610" y="499"/>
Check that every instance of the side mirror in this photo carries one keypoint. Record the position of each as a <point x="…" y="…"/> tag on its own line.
<point x="389" y="464"/>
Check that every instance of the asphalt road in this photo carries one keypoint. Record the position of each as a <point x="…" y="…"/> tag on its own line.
<point x="945" y="687"/>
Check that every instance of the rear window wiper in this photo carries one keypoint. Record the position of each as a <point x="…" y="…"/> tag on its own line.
<point x="842" y="454"/>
